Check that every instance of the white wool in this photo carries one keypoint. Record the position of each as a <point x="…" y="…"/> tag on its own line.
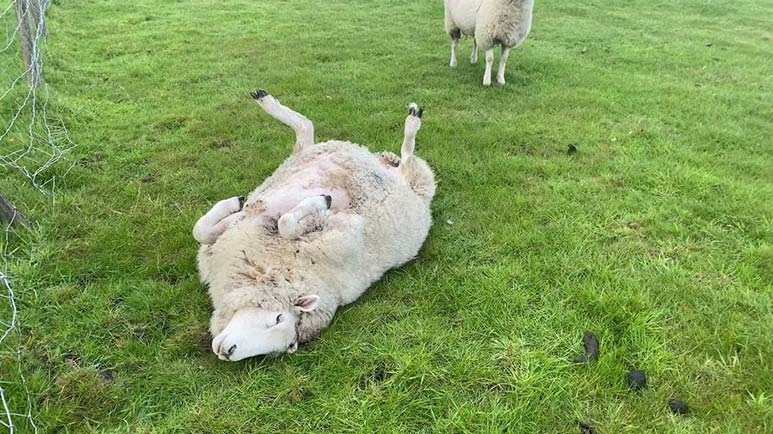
<point x="340" y="252"/>
<point x="490" y="22"/>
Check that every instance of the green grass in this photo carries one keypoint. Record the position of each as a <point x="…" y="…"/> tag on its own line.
<point x="657" y="235"/>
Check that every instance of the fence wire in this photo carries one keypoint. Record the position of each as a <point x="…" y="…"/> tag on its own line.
<point x="33" y="145"/>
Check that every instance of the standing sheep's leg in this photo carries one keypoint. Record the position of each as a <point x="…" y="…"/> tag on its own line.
<point x="291" y="224"/>
<point x="502" y="65"/>
<point x="489" y="64"/>
<point x="304" y="129"/>
<point x="474" y="55"/>
<point x="455" y="35"/>
<point x="215" y="221"/>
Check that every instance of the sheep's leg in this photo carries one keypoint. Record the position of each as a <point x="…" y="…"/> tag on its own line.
<point x="216" y="220"/>
<point x="304" y="129"/>
<point x="454" y="44"/>
<point x="412" y="125"/>
<point x="389" y="159"/>
<point x="292" y="224"/>
<point x="455" y="34"/>
<point x="489" y="64"/>
<point x="474" y="55"/>
<point x="502" y="65"/>
<point x="414" y="170"/>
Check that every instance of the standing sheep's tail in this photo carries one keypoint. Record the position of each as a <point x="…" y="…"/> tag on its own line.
<point x="416" y="171"/>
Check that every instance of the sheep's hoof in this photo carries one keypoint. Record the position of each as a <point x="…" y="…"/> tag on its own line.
<point x="328" y="200"/>
<point x="259" y="94"/>
<point x="415" y="110"/>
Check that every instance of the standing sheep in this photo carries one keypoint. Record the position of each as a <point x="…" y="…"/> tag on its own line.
<point x="490" y="22"/>
<point x="312" y="237"/>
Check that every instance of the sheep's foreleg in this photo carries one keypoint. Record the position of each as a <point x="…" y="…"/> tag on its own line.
<point x="389" y="159"/>
<point x="304" y="129"/>
<point x="293" y="224"/>
<point x="474" y="55"/>
<point x="489" y="64"/>
<point x="502" y="65"/>
<point x="216" y="220"/>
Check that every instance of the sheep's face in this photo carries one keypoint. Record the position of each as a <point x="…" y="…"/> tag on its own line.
<point x="253" y="331"/>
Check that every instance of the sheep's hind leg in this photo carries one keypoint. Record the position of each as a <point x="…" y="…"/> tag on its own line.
<point x="455" y="35"/>
<point x="412" y="125"/>
<point x="502" y="64"/>
<point x="212" y="224"/>
<point x="474" y="55"/>
<point x="414" y="170"/>
<point x="489" y="64"/>
<point x="294" y="223"/>
<point x="304" y="129"/>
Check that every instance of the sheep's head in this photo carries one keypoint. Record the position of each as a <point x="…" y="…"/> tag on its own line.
<point x="253" y="331"/>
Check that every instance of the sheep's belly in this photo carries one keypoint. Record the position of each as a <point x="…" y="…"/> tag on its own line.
<point x="463" y="13"/>
<point x="311" y="179"/>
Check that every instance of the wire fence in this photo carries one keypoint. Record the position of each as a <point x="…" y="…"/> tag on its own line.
<point x="33" y="145"/>
<point x="33" y="142"/>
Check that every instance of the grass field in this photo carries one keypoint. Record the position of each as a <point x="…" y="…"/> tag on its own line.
<point x="657" y="235"/>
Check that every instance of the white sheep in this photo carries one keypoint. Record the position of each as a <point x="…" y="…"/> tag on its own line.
<point x="491" y="23"/>
<point x="312" y="237"/>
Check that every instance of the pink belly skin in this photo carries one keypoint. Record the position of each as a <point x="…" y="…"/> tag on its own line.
<point x="308" y="181"/>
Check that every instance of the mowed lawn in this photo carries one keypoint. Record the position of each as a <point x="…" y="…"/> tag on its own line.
<point x="657" y="235"/>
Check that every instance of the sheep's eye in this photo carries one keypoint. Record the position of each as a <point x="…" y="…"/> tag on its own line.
<point x="278" y="319"/>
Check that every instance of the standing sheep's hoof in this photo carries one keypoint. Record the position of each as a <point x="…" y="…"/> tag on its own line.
<point x="258" y="94"/>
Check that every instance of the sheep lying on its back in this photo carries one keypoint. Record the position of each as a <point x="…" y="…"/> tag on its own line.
<point x="491" y="22"/>
<point x="314" y="236"/>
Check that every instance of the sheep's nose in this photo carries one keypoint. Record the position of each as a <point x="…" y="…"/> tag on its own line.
<point x="227" y="354"/>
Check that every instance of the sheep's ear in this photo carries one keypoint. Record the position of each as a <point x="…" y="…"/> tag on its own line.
<point x="307" y="303"/>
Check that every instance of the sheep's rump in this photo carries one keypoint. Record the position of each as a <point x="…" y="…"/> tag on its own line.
<point x="492" y="22"/>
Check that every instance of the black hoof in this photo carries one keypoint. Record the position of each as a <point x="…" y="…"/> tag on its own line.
<point x="420" y="113"/>
<point x="259" y="94"/>
<point x="241" y="202"/>
<point x="328" y="200"/>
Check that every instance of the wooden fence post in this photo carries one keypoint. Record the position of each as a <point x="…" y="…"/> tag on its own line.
<point x="30" y="14"/>
<point x="9" y="213"/>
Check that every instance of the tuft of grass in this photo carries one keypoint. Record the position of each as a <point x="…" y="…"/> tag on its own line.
<point x="656" y="234"/>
